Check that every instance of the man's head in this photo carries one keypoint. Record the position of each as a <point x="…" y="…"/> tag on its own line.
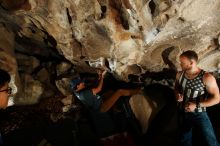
<point x="192" y="55"/>
<point x="188" y="59"/>
<point x="77" y="84"/>
<point x="5" y="90"/>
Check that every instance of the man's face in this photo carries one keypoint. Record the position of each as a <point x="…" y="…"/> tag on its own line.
<point x="185" y="63"/>
<point x="80" y="86"/>
<point x="4" y="94"/>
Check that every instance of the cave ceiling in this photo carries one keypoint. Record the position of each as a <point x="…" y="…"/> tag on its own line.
<point x="127" y="37"/>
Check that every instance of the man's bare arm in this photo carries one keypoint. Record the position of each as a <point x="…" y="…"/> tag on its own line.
<point x="99" y="87"/>
<point x="212" y="89"/>
<point x="177" y="91"/>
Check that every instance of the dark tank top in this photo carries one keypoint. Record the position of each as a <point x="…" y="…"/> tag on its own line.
<point x="193" y="89"/>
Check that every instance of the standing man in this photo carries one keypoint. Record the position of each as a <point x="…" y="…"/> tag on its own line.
<point x="195" y="89"/>
<point x="5" y="91"/>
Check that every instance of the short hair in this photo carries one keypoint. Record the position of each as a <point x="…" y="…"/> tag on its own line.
<point x="4" y="77"/>
<point x="74" y="82"/>
<point x="190" y="55"/>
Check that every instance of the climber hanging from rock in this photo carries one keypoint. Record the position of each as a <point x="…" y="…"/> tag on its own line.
<point x="91" y="98"/>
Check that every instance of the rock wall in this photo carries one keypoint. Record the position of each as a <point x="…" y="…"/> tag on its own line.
<point x="128" y="37"/>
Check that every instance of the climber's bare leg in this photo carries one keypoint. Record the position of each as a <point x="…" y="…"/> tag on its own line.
<point x="110" y="101"/>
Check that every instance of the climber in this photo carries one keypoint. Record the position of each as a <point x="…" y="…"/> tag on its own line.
<point x="91" y="98"/>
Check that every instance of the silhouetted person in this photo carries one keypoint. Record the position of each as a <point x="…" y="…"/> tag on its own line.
<point x="5" y="91"/>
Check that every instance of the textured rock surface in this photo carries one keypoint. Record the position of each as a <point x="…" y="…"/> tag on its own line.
<point x="129" y="37"/>
<point x="146" y="34"/>
<point x="44" y="43"/>
<point x="151" y="103"/>
<point x="147" y="112"/>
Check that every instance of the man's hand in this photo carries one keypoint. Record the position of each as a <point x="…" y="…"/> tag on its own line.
<point x="190" y="107"/>
<point x="102" y="73"/>
<point x="179" y="97"/>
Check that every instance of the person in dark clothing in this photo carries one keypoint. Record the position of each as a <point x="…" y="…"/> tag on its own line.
<point x="93" y="100"/>
<point x="5" y="91"/>
<point x="195" y="90"/>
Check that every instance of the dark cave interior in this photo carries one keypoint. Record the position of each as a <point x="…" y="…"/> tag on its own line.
<point x="32" y="125"/>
